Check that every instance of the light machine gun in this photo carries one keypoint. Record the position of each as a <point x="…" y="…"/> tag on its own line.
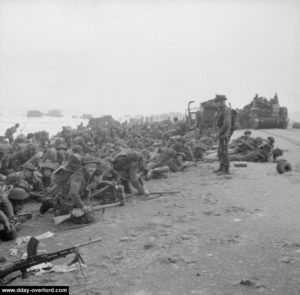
<point x="33" y="259"/>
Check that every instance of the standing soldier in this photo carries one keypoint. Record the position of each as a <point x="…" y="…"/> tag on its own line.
<point x="9" y="133"/>
<point x="223" y="125"/>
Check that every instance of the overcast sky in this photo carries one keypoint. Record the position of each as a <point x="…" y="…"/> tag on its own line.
<point x="143" y="57"/>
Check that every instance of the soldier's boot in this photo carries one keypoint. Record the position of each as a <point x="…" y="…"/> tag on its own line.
<point x="46" y="205"/>
<point x="220" y="169"/>
<point x="226" y="171"/>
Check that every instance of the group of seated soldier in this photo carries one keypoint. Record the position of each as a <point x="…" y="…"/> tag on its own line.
<point x="253" y="149"/>
<point x="101" y="163"/>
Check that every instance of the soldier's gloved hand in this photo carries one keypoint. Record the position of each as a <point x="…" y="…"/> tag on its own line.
<point x="87" y="209"/>
<point x="77" y="212"/>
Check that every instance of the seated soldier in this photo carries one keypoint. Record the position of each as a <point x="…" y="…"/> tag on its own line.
<point x="18" y="196"/>
<point x="81" y="140"/>
<point x="107" y="188"/>
<point x="242" y="144"/>
<point x="22" y="156"/>
<point x="127" y="164"/>
<point x="148" y="172"/>
<point x="262" y="152"/>
<point x="61" y="154"/>
<point x="147" y="141"/>
<point x="8" y="221"/>
<point x="245" y="136"/>
<point x="135" y="141"/>
<point x="178" y="143"/>
<point x="75" y="195"/>
<point x="47" y="170"/>
<point x="60" y="177"/>
<point x="266" y="149"/>
<point x="30" y="180"/>
<point x="166" y="157"/>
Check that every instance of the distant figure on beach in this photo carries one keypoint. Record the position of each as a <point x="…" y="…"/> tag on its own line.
<point x="9" y="133"/>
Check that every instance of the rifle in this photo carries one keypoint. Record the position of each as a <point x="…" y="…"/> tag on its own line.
<point x="108" y="185"/>
<point x="159" y="194"/>
<point x="60" y="219"/>
<point x="164" y="193"/>
<point x="34" y="259"/>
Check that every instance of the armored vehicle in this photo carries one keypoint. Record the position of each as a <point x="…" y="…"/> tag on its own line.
<point x="263" y="113"/>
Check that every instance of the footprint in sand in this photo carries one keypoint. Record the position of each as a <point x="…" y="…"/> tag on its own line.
<point x="210" y="201"/>
<point x="211" y="213"/>
<point x="234" y="209"/>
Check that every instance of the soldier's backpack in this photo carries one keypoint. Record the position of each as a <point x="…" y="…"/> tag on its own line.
<point x="124" y="160"/>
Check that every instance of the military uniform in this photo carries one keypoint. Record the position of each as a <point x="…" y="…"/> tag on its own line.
<point x="223" y="124"/>
<point x="167" y="157"/>
<point x="7" y="230"/>
<point x="10" y="132"/>
<point x="243" y="146"/>
<point x="47" y="179"/>
<point x="22" y="156"/>
<point x="32" y="184"/>
<point x="262" y="151"/>
<point x="127" y="164"/>
<point x="76" y="194"/>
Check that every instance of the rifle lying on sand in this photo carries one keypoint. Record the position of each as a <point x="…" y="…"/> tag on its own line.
<point x="60" y="219"/>
<point x="159" y="194"/>
<point x="155" y="194"/>
<point x="164" y="193"/>
<point x="34" y="259"/>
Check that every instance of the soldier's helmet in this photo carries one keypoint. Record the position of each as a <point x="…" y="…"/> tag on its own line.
<point x="13" y="179"/>
<point x="49" y="165"/>
<point x="18" y="194"/>
<point x="220" y="97"/>
<point x="271" y="139"/>
<point x="77" y="149"/>
<point x="90" y="159"/>
<point x="28" y="166"/>
<point x="61" y="147"/>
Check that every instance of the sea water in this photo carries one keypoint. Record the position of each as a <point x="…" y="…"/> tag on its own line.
<point x="28" y="125"/>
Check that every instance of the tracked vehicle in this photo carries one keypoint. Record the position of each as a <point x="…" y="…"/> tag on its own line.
<point x="262" y="113"/>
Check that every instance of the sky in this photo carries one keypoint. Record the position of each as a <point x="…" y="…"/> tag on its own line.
<point x="146" y="57"/>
